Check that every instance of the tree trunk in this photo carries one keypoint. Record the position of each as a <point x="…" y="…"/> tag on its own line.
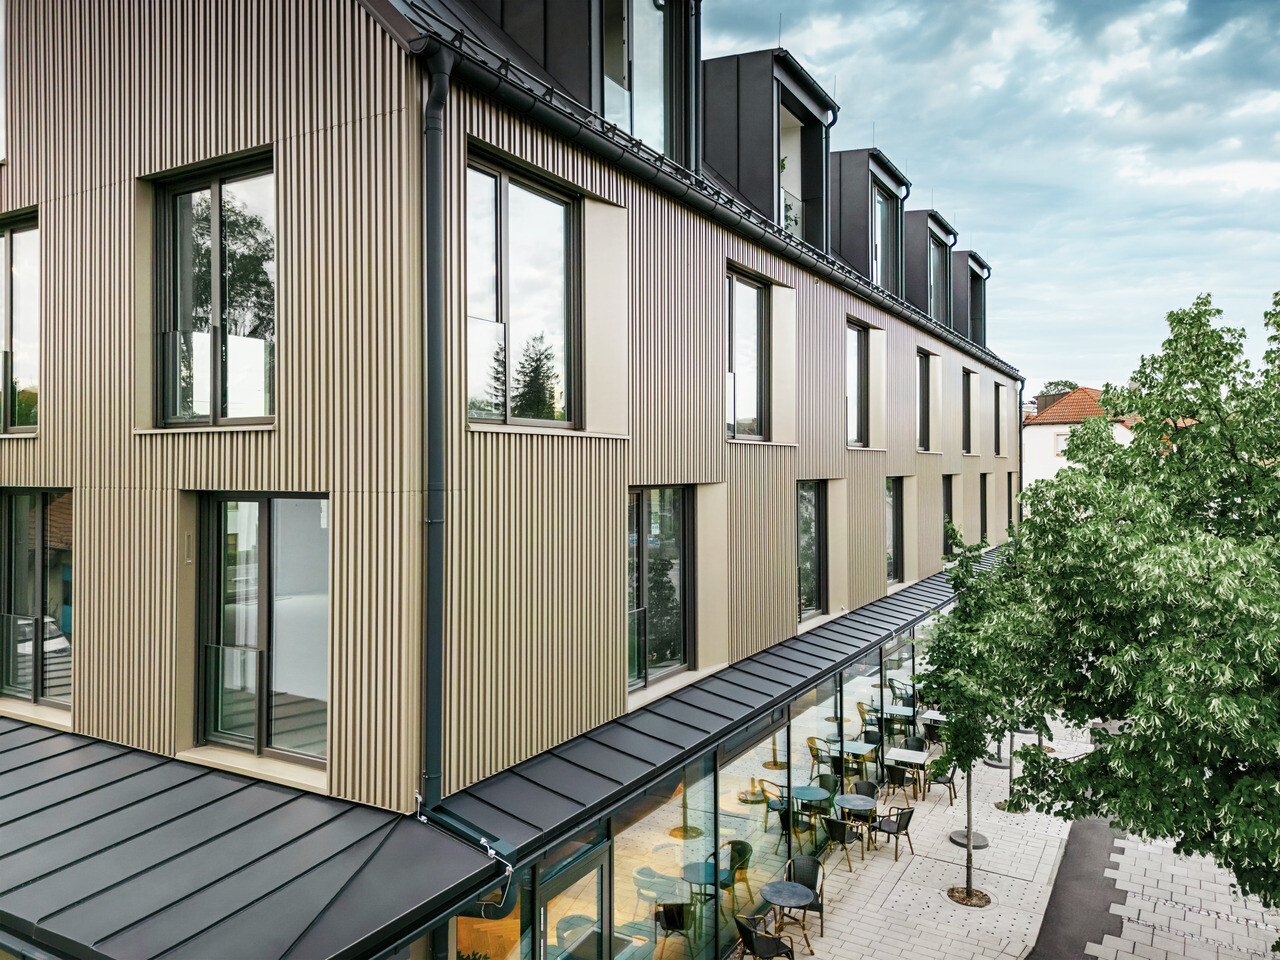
<point x="968" y="833"/>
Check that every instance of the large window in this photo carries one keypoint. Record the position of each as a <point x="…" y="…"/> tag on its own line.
<point x="20" y="297"/>
<point x="36" y="596"/>
<point x="217" y="345"/>
<point x="747" y="306"/>
<point x="857" y="385"/>
<point x="966" y="412"/>
<point x="266" y="631"/>
<point x="1008" y="483"/>
<point x="635" y="69"/>
<point x="999" y="416"/>
<point x="984" y="481"/>
<point x="657" y="574"/>
<point x="811" y="526"/>
<point x="939" y="282"/>
<point x="948" y="512"/>
<point x="922" y="401"/>
<point x="519" y="301"/>
<point x="884" y="238"/>
<point x="893" y="529"/>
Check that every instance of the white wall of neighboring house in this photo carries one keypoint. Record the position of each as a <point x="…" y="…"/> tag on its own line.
<point x="1041" y="443"/>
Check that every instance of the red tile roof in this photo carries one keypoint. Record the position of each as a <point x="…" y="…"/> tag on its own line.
<point x="1073" y="408"/>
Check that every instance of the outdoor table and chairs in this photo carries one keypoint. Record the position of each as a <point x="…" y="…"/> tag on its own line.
<point x="859" y="752"/>
<point x="863" y="810"/>
<point x="785" y="895"/>
<point x="913" y="759"/>
<point x="702" y="875"/>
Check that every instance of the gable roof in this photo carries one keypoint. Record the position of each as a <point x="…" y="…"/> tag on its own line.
<point x="1073" y="408"/>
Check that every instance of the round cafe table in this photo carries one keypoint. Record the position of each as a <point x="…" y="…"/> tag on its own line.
<point x="784" y="895"/>
<point x="855" y="802"/>
<point x="810" y="794"/>
<point x="701" y="874"/>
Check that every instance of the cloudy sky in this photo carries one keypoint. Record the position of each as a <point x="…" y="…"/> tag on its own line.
<point x="1111" y="160"/>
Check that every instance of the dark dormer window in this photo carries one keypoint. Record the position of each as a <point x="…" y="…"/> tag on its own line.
<point x="939" y="281"/>
<point x="867" y="224"/>
<point x="927" y="243"/>
<point x="884" y="237"/>
<point x="635" y="69"/>
<point x="969" y="274"/>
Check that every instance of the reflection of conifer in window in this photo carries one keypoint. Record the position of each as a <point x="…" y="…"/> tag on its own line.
<point x="666" y="622"/>
<point x="533" y="392"/>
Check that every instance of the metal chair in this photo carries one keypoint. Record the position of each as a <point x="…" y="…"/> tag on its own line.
<point x="868" y="721"/>
<point x="865" y="788"/>
<point x="932" y="731"/>
<point x="760" y="945"/>
<point x="808" y="872"/>
<point x="817" y="756"/>
<point x="896" y="782"/>
<point x="735" y="872"/>
<point x="774" y="799"/>
<point x="947" y="780"/>
<point x="828" y="782"/>
<point x="844" y="832"/>
<point x="897" y="824"/>
<point x="915" y="743"/>
<point x="797" y="824"/>
<point x="647" y="882"/>
<point x="672" y="919"/>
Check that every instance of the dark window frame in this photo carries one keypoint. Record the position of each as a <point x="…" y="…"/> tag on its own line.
<point x="6" y="560"/>
<point x="859" y="434"/>
<point x="1009" y="491"/>
<point x="948" y="513"/>
<point x="984" y="480"/>
<point x="209" y="581"/>
<point x="894" y="264"/>
<point x="573" y="280"/>
<point x="674" y="111"/>
<point x="924" y="413"/>
<point x="895" y="487"/>
<point x="19" y="223"/>
<point x="966" y="411"/>
<point x="167" y="189"/>
<point x="686" y="580"/>
<point x="999" y="425"/>
<point x="939" y="288"/>
<point x="764" y="319"/>
<point x="820" y="539"/>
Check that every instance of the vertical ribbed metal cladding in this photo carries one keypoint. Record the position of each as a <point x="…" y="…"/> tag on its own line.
<point x="821" y="324"/>
<point x="866" y="470"/>
<point x="762" y="547"/>
<point x="323" y="88"/>
<point x="535" y="608"/>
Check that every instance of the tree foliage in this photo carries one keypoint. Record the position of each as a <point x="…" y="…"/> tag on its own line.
<point x="1059" y="386"/>
<point x="1143" y="590"/>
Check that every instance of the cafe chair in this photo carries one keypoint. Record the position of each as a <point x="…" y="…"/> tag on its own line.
<point x="773" y="799"/>
<point x="845" y="832"/>
<point x="734" y="872"/>
<point x="897" y="824"/>
<point x="915" y="743"/>
<point x="947" y="780"/>
<point x="828" y="782"/>
<point x="868" y="722"/>
<point x="808" y="872"/>
<point x="647" y="881"/>
<point x="797" y="824"/>
<point x="817" y="756"/>
<point x="896" y="782"/>
<point x="675" y="919"/>
<point x="761" y="945"/>
<point x="932" y="732"/>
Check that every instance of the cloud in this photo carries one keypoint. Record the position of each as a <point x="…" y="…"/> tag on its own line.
<point x="1111" y="160"/>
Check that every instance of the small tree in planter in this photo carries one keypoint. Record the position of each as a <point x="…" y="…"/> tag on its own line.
<point x="963" y="678"/>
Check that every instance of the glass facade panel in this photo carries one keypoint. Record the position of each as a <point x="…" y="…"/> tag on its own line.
<point x="189" y="344"/>
<point x="486" y="338"/>
<point x="24" y="389"/>
<point x="635" y="69"/>
<point x="657" y="616"/>
<point x="58" y="597"/>
<point x="539" y="306"/>
<point x="811" y="521"/>
<point x="300" y="625"/>
<point x="248" y="297"/>
<point x="863" y="699"/>
<point x="664" y="874"/>
<point x="893" y="529"/>
<point x="573" y="927"/>
<point x="753" y="838"/>
<point x="884" y="240"/>
<point x="898" y="659"/>
<point x="501" y="927"/>
<point x="745" y="363"/>
<point x="231" y="710"/>
<point x="22" y="595"/>
<point x="815" y="749"/>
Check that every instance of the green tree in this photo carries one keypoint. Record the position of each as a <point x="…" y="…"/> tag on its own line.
<point x="1147" y="596"/>
<point x="665" y="617"/>
<point x="533" y="394"/>
<point x="962" y="678"/>
<point x="1060" y="386"/>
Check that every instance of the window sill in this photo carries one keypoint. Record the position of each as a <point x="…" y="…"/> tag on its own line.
<point x="818" y="620"/>
<point x="21" y="435"/>
<point x="224" y="428"/>
<point x="295" y="775"/>
<point x="667" y="685"/>
<point x="932" y="453"/>
<point x="760" y="443"/>
<point x="977" y="456"/>
<point x="895" y="587"/>
<point x="868" y="449"/>
<point x="45" y="716"/>
<point x="541" y="431"/>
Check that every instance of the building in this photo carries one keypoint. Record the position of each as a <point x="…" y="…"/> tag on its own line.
<point x="1044" y="435"/>
<point x="459" y="411"/>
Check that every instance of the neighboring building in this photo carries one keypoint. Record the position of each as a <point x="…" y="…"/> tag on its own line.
<point x="1044" y="435"/>
<point x="440" y="407"/>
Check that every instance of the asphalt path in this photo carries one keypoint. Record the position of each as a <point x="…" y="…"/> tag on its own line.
<point x="1079" y="910"/>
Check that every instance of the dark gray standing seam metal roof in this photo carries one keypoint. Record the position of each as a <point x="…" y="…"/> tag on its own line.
<point x="539" y="802"/>
<point x="108" y="852"/>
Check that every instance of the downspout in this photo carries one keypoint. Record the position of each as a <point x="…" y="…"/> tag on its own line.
<point x="440" y="62"/>
<point x="1022" y="384"/>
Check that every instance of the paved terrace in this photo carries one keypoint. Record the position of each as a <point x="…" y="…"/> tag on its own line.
<point x="1173" y="907"/>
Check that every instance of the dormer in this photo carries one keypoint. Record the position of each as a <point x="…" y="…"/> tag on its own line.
<point x="867" y="196"/>
<point x="969" y="275"/>
<point x="928" y="240"/>
<point x="632" y="61"/>
<point x="765" y="128"/>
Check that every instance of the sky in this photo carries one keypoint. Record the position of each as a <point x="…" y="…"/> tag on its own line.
<point x="1110" y="160"/>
